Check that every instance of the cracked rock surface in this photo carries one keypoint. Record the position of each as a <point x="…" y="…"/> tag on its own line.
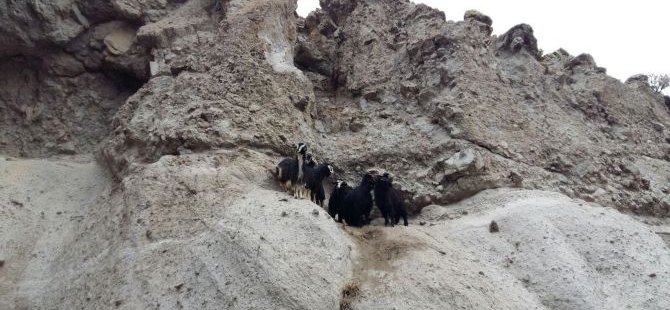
<point x="426" y="89"/>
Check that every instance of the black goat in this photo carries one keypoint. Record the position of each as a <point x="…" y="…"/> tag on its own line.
<point x="289" y="171"/>
<point x="336" y="200"/>
<point x="314" y="181"/>
<point x="389" y="201"/>
<point x="309" y="160"/>
<point x="320" y="196"/>
<point x="357" y="205"/>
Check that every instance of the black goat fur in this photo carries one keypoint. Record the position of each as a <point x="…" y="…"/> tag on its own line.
<point x="313" y="181"/>
<point x="289" y="171"/>
<point x="389" y="201"/>
<point x="336" y="200"/>
<point x="357" y="204"/>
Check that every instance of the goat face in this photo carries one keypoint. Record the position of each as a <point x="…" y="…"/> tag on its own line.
<point x="368" y="179"/>
<point x="341" y="184"/>
<point x="383" y="182"/>
<point x="301" y="148"/>
<point x="309" y="160"/>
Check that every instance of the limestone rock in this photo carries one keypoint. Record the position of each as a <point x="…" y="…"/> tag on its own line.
<point x="478" y="102"/>
<point x="583" y="60"/>
<point x="120" y="40"/>
<point x="461" y="161"/>
<point x="188" y="105"/>
<point x="483" y="20"/>
<point x="637" y="78"/>
<point x="478" y="16"/>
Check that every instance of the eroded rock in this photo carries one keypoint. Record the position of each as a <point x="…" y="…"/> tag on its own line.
<point x="519" y="37"/>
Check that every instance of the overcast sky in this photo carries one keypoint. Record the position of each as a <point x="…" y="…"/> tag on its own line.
<point x="626" y="37"/>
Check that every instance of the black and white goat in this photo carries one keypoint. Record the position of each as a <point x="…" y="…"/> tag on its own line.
<point x="313" y="181"/>
<point x="357" y="204"/>
<point x="336" y="200"/>
<point x="389" y="201"/>
<point x="290" y="171"/>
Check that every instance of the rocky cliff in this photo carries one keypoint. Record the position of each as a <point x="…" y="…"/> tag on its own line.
<point x="186" y="104"/>
<point x="412" y="93"/>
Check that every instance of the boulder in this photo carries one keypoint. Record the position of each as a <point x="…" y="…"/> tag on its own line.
<point x="120" y="40"/>
<point x="638" y="78"/>
<point x="519" y="37"/>
<point x="483" y="20"/>
<point x="466" y="160"/>
<point x="478" y="16"/>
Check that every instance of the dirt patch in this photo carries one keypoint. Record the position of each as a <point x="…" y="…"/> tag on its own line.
<point x="350" y="292"/>
<point x="378" y="250"/>
<point x="379" y="247"/>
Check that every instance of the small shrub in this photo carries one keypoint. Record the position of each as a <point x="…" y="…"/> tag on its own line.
<point x="659" y="82"/>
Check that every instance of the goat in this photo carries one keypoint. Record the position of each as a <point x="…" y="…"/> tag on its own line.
<point x="389" y="201"/>
<point x="289" y="171"/>
<point x="336" y="200"/>
<point x="357" y="204"/>
<point x="313" y="181"/>
<point x="309" y="160"/>
<point x="320" y="196"/>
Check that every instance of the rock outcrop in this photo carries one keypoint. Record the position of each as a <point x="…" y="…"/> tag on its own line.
<point x="187" y="105"/>
<point x="427" y="88"/>
<point x="218" y="84"/>
<point x="544" y="239"/>
<point x="66" y="69"/>
<point x="211" y="240"/>
<point x="203" y="232"/>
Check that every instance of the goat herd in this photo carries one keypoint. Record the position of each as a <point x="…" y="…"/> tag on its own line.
<point x="303" y="177"/>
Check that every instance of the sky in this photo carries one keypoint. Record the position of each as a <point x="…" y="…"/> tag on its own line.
<point x="626" y="37"/>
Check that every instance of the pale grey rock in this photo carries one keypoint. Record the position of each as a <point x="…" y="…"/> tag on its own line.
<point x="461" y="161"/>
<point x="388" y="85"/>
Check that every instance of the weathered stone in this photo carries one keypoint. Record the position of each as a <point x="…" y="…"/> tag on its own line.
<point x="519" y="37"/>
<point x="120" y="40"/>
<point x="444" y="106"/>
<point x="637" y="78"/>
<point x="478" y="16"/>
<point x="461" y="161"/>
<point x="583" y="60"/>
<point x="64" y="65"/>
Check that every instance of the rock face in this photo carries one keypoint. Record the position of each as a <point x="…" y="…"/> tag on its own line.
<point x="187" y="104"/>
<point x="543" y="239"/>
<point x="194" y="232"/>
<point x="65" y="73"/>
<point x="226" y="80"/>
<point x="199" y="245"/>
<point x="432" y="88"/>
